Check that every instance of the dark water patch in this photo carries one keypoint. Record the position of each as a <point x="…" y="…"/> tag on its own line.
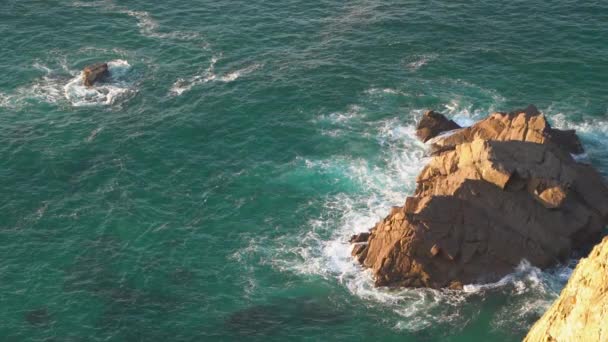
<point x="38" y="317"/>
<point x="285" y="313"/>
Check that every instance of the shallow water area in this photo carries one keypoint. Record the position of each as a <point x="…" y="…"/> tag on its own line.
<point x="208" y="189"/>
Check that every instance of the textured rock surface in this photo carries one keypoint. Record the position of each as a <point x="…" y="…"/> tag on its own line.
<point x="432" y="124"/>
<point x="94" y="73"/>
<point x="581" y="311"/>
<point x="493" y="194"/>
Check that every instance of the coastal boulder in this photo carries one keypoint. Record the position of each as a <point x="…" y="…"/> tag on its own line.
<point x="94" y="73"/>
<point x="432" y="124"/>
<point x="493" y="194"/>
<point x="581" y="311"/>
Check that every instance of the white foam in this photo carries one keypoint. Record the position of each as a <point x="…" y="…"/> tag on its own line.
<point x="149" y="27"/>
<point x="353" y="112"/>
<point x="323" y="249"/>
<point x="93" y="134"/>
<point x="53" y="88"/>
<point x="5" y="100"/>
<point x="234" y="75"/>
<point x="183" y="85"/>
<point x="421" y="61"/>
<point x="102" y="93"/>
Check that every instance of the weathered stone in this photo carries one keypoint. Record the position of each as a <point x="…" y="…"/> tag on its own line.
<point x="523" y="125"/>
<point x="361" y="237"/>
<point x="432" y="124"/>
<point x="94" y="73"/>
<point x="581" y="311"/>
<point x="497" y="192"/>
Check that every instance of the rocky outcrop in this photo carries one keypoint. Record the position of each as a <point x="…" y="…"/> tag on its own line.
<point x="581" y="311"/>
<point x="94" y="73"/>
<point x="502" y="190"/>
<point x="432" y="124"/>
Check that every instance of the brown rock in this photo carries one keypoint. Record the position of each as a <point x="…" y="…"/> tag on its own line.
<point x="503" y="191"/>
<point x="432" y="124"/>
<point x="581" y="311"/>
<point x="361" y="237"/>
<point x="523" y="125"/>
<point x="94" y="73"/>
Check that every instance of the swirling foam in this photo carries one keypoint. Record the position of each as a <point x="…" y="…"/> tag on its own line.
<point x="53" y="88"/>
<point x="323" y="248"/>
<point x="102" y="93"/>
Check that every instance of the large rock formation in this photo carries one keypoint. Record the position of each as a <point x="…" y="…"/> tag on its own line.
<point x="581" y="311"/>
<point x="502" y="190"/>
<point x="94" y="73"/>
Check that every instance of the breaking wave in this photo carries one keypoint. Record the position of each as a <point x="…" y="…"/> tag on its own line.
<point x="55" y="87"/>
<point x="369" y="189"/>
<point x="105" y="93"/>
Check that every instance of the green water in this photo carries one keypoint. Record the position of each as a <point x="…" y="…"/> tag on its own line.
<point x="207" y="191"/>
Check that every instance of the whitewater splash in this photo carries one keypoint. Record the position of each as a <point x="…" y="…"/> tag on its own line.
<point x="369" y="189"/>
<point x="184" y="85"/>
<point x="54" y="88"/>
<point x="105" y="93"/>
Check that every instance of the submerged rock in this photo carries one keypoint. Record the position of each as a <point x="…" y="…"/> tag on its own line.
<point x="94" y="73"/>
<point x="581" y="311"/>
<point x="38" y="317"/>
<point x="502" y="190"/>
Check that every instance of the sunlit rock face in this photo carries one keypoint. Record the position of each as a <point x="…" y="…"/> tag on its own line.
<point x="581" y="311"/>
<point x="493" y="194"/>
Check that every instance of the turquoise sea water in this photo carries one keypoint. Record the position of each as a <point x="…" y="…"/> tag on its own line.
<point x="207" y="192"/>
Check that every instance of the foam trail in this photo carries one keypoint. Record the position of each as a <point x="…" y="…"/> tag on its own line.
<point x="421" y="61"/>
<point x="232" y="76"/>
<point x="182" y="85"/>
<point x="149" y="27"/>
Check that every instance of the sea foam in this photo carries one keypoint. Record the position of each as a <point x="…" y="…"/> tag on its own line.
<point x="105" y="93"/>
<point x="323" y="249"/>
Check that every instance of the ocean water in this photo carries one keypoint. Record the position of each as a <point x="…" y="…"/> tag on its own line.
<point x="207" y="191"/>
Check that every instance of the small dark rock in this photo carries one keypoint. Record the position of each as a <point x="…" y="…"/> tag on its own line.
<point x="432" y="124"/>
<point x="361" y="237"/>
<point x="94" y="73"/>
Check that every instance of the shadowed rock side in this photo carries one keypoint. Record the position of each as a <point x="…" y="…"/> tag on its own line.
<point x="94" y="73"/>
<point x="581" y="311"/>
<point x="502" y="190"/>
<point x="432" y="124"/>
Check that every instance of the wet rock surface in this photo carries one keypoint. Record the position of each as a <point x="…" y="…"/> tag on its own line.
<point x="95" y="73"/>
<point x="493" y="194"/>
